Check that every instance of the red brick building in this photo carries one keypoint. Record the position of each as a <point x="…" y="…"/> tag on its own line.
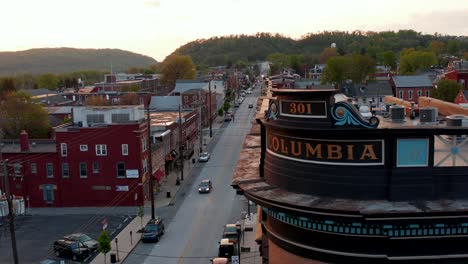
<point x="100" y="160"/>
<point x="410" y="88"/>
<point x="458" y="71"/>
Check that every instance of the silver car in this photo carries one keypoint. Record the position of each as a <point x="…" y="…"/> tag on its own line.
<point x="204" y="157"/>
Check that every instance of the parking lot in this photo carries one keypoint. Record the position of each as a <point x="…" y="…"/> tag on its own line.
<point x="36" y="234"/>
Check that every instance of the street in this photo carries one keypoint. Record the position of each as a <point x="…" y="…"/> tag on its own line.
<point x="195" y="223"/>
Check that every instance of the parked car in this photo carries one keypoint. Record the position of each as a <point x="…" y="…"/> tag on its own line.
<point x="204" y="157"/>
<point x="226" y="249"/>
<point x="230" y="232"/>
<point x="84" y="239"/>
<point x="70" y="249"/>
<point x="153" y="230"/>
<point x="205" y="186"/>
<point x="250" y="105"/>
<point x="236" y="104"/>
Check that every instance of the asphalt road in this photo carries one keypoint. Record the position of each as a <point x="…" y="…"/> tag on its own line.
<point x="195" y="223"/>
<point x="35" y="234"/>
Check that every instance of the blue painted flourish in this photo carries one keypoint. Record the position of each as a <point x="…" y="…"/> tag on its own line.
<point x="345" y="114"/>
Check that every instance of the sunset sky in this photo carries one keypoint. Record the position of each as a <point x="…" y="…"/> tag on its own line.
<point x="157" y="27"/>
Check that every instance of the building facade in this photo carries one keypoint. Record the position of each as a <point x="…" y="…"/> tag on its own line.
<point x="335" y="188"/>
<point x="410" y="88"/>
<point x="99" y="160"/>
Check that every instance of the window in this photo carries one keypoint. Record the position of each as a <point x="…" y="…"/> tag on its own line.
<point x="144" y="144"/>
<point x="101" y="150"/>
<point x="17" y="168"/>
<point x="428" y="93"/>
<point x="400" y="94"/>
<point x="65" y="170"/>
<point x="120" y="118"/>
<point x="50" y="170"/>
<point x="95" y="118"/>
<point x="120" y="170"/>
<point x="185" y="99"/>
<point x="145" y="165"/>
<point x="419" y="93"/>
<point x="125" y="149"/>
<point x="95" y="167"/>
<point x="83" y="170"/>
<point x="33" y="168"/>
<point x="63" y="149"/>
<point x="83" y="147"/>
<point x="410" y="94"/>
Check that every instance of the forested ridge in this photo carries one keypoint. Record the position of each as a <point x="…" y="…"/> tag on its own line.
<point x="228" y="50"/>
<point x="64" y="60"/>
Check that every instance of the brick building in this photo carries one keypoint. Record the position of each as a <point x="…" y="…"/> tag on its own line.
<point x="410" y="88"/>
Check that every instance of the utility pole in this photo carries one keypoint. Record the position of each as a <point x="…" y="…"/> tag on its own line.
<point x="181" y="147"/>
<point x="199" y="121"/>
<point x="150" y="160"/>
<point x="11" y="216"/>
<point x="209" y="107"/>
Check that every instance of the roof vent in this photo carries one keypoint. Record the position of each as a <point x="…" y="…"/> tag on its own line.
<point x="397" y="113"/>
<point x="457" y="121"/>
<point x="428" y="115"/>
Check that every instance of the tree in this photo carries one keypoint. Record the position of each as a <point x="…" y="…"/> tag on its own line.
<point x="447" y="90"/>
<point x="226" y="106"/>
<point x="390" y="60"/>
<point x="177" y="67"/>
<point x="417" y="60"/>
<point x="327" y="53"/>
<point x="104" y="244"/>
<point x="453" y="46"/>
<point x="465" y="55"/>
<point x="438" y="47"/>
<point x="220" y="112"/>
<point x="360" y="67"/>
<point x="335" y="70"/>
<point x="7" y="85"/>
<point x="49" y="81"/>
<point x="19" y="113"/>
<point x="129" y="99"/>
<point x="141" y="213"/>
<point x="97" y="101"/>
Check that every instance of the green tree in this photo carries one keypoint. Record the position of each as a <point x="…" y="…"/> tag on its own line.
<point x="21" y="113"/>
<point x="390" y="60"/>
<point x="360" y="67"/>
<point x="278" y="61"/>
<point x="220" y="112"/>
<point x="177" y="67"/>
<point x="453" y="47"/>
<point x="414" y="61"/>
<point x="447" y="90"/>
<point x="104" y="244"/>
<point x="226" y="106"/>
<point x="141" y="213"/>
<point x="49" y="81"/>
<point x="336" y="70"/>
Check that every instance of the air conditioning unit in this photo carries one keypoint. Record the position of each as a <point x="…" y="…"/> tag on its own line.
<point x="457" y="121"/>
<point x="428" y="115"/>
<point x="397" y="113"/>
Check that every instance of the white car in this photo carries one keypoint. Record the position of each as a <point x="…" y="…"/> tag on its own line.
<point x="204" y="157"/>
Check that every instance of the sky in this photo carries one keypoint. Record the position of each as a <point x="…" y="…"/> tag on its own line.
<point x="157" y="27"/>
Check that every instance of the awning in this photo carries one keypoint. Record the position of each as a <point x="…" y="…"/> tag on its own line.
<point x="158" y="175"/>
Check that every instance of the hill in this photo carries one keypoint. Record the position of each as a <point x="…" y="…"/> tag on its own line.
<point x="230" y="49"/>
<point x="63" y="60"/>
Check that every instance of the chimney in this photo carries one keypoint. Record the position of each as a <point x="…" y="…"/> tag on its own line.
<point x="24" y="141"/>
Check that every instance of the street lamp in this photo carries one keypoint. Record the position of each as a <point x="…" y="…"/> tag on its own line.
<point x="238" y="228"/>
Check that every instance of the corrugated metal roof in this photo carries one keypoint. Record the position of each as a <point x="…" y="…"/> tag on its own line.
<point x="165" y="102"/>
<point x="412" y="81"/>
<point x="185" y="85"/>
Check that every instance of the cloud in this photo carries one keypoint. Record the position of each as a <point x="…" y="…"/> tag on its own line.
<point x="153" y="3"/>
<point x="445" y="22"/>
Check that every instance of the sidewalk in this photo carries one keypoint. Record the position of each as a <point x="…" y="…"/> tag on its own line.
<point x="161" y="199"/>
